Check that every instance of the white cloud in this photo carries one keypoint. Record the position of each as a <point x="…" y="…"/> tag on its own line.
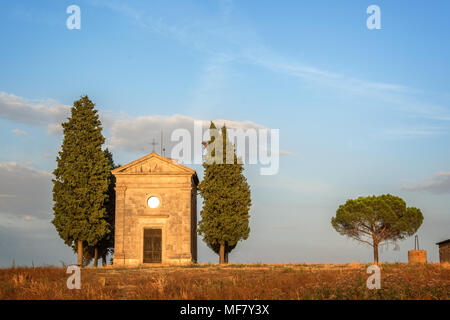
<point x="438" y="184"/>
<point x="19" y="132"/>
<point x="43" y="113"/>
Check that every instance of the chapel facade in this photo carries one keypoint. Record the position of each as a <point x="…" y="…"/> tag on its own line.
<point x="156" y="212"/>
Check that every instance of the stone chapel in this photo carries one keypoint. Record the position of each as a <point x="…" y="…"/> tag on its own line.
<point x="156" y="212"/>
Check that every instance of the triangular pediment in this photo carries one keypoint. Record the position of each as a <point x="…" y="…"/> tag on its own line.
<point x="153" y="164"/>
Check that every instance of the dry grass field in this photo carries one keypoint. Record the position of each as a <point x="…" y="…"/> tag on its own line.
<point x="254" y="281"/>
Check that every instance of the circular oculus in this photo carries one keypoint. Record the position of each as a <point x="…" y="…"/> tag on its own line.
<point x="153" y="202"/>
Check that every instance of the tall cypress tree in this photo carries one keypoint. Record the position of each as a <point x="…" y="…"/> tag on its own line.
<point x="81" y="180"/>
<point x="226" y="193"/>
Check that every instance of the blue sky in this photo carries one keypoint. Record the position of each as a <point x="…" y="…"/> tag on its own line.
<point x="360" y="111"/>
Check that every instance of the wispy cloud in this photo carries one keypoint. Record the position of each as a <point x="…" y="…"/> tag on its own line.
<point x="438" y="184"/>
<point x="413" y="132"/>
<point x="431" y="112"/>
<point x="19" y="132"/>
<point x="264" y="58"/>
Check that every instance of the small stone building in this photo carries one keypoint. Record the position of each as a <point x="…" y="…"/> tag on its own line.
<point x="156" y="212"/>
<point x="444" y="251"/>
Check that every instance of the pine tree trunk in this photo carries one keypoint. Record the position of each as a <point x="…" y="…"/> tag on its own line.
<point x="375" y="254"/>
<point x="96" y="257"/>
<point x="226" y="257"/>
<point x="80" y="253"/>
<point x="104" y="260"/>
<point x="222" y="254"/>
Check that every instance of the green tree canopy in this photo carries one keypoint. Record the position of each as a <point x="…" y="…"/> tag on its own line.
<point x="80" y="186"/>
<point x="377" y="219"/>
<point x="226" y="193"/>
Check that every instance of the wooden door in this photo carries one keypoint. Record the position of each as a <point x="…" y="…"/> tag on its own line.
<point x="152" y="245"/>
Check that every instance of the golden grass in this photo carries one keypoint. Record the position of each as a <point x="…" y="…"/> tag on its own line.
<point x="234" y="281"/>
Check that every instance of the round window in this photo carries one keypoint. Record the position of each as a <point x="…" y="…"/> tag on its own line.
<point x="153" y="202"/>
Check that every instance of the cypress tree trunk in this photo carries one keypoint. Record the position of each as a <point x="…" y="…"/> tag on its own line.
<point x="95" y="257"/>
<point x="80" y="253"/>
<point x="222" y="254"/>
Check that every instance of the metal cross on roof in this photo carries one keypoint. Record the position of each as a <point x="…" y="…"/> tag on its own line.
<point x="153" y="144"/>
